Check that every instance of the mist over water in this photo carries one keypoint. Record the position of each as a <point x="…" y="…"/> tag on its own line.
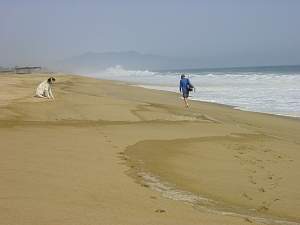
<point x="274" y="90"/>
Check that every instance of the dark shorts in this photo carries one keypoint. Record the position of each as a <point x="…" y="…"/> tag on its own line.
<point x="185" y="94"/>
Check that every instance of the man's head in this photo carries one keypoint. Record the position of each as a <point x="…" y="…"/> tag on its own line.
<point x="51" y="80"/>
<point x="182" y="76"/>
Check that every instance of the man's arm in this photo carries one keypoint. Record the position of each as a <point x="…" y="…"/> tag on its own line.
<point x="180" y="86"/>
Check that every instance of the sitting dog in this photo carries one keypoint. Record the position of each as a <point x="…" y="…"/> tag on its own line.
<point x="44" y="89"/>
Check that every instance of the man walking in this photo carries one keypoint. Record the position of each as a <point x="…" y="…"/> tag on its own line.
<point x="185" y="87"/>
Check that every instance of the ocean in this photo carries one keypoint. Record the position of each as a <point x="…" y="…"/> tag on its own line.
<point x="269" y="89"/>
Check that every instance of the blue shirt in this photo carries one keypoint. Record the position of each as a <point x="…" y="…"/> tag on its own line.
<point x="184" y="85"/>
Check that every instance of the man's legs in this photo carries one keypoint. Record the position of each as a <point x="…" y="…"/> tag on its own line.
<point x="185" y="95"/>
<point x="186" y="102"/>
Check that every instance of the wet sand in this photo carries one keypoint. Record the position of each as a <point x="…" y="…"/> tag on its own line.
<point x="77" y="160"/>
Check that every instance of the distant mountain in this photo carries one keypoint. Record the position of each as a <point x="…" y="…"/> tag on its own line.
<point x="93" y="62"/>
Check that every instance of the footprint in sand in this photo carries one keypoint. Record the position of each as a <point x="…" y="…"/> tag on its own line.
<point x="267" y="150"/>
<point x="248" y="220"/>
<point x="124" y="157"/>
<point x="261" y="167"/>
<point x="246" y="196"/>
<point x="251" y="179"/>
<point x="160" y="211"/>
<point x="252" y="182"/>
<point x="262" y="209"/>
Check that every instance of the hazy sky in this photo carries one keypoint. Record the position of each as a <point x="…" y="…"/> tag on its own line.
<point x="216" y="32"/>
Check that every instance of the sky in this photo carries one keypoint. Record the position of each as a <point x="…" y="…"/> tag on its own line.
<point x="217" y="33"/>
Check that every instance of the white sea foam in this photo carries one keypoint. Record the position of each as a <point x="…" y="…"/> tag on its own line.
<point x="119" y="71"/>
<point x="276" y="93"/>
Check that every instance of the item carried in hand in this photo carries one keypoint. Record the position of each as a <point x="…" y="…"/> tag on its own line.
<point x="191" y="87"/>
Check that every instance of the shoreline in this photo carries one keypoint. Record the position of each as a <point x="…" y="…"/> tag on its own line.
<point x="153" y="87"/>
<point x="83" y="164"/>
<point x="221" y="104"/>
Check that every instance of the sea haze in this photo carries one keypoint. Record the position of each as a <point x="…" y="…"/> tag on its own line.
<point x="91" y="62"/>
<point x="270" y="89"/>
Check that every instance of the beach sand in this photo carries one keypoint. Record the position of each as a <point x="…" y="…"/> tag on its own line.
<point x="85" y="158"/>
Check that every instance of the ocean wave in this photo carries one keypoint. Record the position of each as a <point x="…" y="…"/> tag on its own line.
<point x="119" y="71"/>
<point x="277" y="93"/>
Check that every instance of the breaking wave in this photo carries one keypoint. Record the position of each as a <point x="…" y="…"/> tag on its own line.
<point x="257" y="90"/>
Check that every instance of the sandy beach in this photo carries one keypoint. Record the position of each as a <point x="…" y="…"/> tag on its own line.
<point x="108" y="153"/>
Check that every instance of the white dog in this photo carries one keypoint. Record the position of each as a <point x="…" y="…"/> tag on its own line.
<point x="44" y="89"/>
